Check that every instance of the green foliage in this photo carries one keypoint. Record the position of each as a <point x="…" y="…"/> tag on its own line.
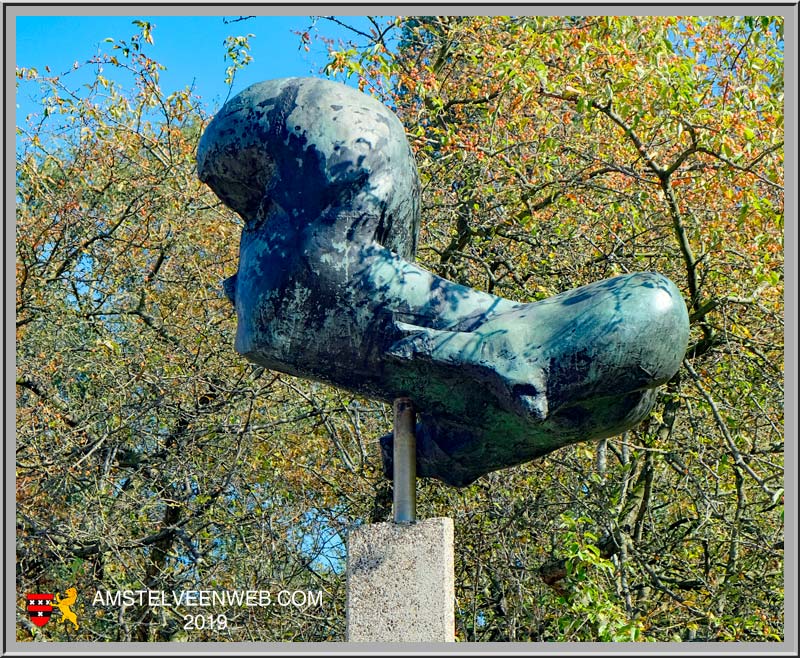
<point x="237" y="50"/>
<point x="554" y="151"/>
<point x="592" y="610"/>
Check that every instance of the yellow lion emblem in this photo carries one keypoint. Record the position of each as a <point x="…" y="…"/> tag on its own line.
<point x="64" y="606"/>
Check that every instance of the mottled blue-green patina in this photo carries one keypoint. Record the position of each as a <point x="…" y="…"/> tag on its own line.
<point x="327" y="289"/>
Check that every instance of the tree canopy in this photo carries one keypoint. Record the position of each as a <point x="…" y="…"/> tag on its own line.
<point x="554" y="151"/>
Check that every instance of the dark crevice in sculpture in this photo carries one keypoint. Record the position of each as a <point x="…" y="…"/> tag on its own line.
<point x="327" y="289"/>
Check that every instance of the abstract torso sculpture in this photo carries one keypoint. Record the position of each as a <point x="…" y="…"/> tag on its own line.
<point x="327" y="290"/>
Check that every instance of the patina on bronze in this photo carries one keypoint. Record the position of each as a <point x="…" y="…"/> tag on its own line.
<point x="327" y="289"/>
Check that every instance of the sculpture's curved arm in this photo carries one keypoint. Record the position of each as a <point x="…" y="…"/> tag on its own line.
<point x="326" y="289"/>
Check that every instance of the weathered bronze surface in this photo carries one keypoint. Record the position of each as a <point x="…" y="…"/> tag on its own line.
<point x="327" y="290"/>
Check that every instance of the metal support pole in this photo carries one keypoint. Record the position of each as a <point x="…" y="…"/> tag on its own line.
<point x="404" y="462"/>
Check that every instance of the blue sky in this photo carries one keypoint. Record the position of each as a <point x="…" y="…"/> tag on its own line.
<point x="191" y="47"/>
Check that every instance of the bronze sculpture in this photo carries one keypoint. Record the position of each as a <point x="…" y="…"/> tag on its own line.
<point x="327" y="289"/>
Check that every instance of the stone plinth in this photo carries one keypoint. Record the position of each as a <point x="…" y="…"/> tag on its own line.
<point x="400" y="582"/>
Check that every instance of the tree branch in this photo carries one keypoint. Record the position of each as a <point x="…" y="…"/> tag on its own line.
<point x="723" y="427"/>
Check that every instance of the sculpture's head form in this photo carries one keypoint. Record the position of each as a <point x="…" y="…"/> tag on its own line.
<point x="315" y="149"/>
<point x="326" y="182"/>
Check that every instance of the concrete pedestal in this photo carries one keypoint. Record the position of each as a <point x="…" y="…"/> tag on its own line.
<point x="400" y="582"/>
